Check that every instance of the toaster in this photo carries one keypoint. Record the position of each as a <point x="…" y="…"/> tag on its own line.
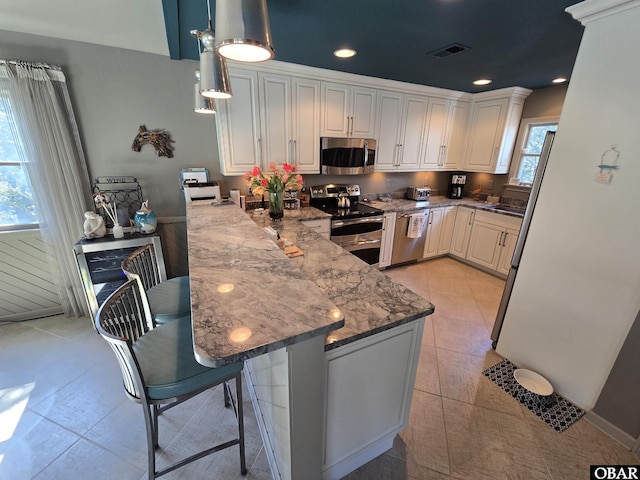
<point x="418" y="193"/>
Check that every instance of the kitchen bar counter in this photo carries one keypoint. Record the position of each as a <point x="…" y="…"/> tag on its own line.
<point x="330" y="345"/>
<point x="247" y="297"/>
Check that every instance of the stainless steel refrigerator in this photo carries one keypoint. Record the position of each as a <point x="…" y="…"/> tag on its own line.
<point x="522" y="237"/>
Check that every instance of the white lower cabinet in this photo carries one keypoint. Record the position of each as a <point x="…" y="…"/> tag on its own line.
<point x="492" y="241"/>
<point x="508" y="247"/>
<point x="462" y="232"/>
<point x="388" y="231"/>
<point x="439" y="231"/>
<point x="368" y="396"/>
<point x="322" y="226"/>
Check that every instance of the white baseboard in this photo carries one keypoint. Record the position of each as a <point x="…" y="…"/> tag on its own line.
<point x="620" y="436"/>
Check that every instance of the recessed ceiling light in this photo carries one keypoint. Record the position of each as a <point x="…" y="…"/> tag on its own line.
<point x="559" y="80"/>
<point x="482" y="81"/>
<point x="344" y="52"/>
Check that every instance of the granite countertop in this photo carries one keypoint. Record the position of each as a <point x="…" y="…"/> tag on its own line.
<point x="406" y="205"/>
<point x="247" y="296"/>
<point x="371" y="301"/>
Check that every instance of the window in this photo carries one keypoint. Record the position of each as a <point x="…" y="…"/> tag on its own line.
<point x="531" y="139"/>
<point x="17" y="207"/>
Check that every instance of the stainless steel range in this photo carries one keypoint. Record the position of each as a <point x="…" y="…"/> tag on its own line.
<point x="354" y="226"/>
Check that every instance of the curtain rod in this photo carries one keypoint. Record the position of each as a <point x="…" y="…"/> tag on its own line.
<point x="31" y="64"/>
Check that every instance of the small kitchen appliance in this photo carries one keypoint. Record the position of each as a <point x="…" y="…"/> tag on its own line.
<point x="419" y="194"/>
<point x="354" y="226"/>
<point x="456" y="186"/>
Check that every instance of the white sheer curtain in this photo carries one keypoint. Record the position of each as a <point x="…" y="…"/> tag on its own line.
<point x="50" y="147"/>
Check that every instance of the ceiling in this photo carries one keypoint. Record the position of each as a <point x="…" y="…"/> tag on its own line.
<point x="523" y="43"/>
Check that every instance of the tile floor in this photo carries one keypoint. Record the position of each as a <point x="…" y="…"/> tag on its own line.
<point x="64" y="414"/>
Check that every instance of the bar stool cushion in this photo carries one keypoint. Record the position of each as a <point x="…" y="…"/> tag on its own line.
<point x="170" y="299"/>
<point x="168" y="365"/>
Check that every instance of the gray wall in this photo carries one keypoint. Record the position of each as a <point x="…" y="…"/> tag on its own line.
<point x="545" y="102"/>
<point x="113" y="92"/>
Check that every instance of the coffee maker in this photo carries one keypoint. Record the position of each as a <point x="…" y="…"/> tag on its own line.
<point x="456" y="186"/>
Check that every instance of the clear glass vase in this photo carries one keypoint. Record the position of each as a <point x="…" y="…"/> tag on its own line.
<point x="276" y="205"/>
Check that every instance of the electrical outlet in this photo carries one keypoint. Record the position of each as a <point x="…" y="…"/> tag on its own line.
<point x="490" y="184"/>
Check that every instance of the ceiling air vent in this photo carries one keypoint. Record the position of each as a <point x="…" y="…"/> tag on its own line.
<point x="450" y="50"/>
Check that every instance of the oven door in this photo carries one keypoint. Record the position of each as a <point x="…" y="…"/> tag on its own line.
<point x="360" y="236"/>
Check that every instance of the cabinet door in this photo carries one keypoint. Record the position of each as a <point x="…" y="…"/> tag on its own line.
<point x="389" y="124"/>
<point x="237" y="121"/>
<point x="510" y="131"/>
<point x="485" y="245"/>
<point x="275" y="119"/>
<point x="485" y="135"/>
<point x="362" y="112"/>
<point x="456" y="135"/>
<point x="368" y="396"/>
<point x="388" y="231"/>
<point x="462" y="232"/>
<point x="306" y="125"/>
<point x="509" y="240"/>
<point x="335" y="110"/>
<point x="412" y="130"/>
<point x="446" y="231"/>
<point x="434" y="228"/>
<point x="348" y="111"/>
<point x="435" y="144"/>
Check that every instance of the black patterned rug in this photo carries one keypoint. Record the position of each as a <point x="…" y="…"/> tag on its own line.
<point x="556" y="412"/>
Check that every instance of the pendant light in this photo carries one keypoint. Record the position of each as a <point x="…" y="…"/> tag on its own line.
<point x="214" y="75"/>
<point x="202" y="104"/>
<point x="242" y="30"/>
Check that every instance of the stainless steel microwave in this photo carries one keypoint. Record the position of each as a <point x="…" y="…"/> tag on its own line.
<point x="347" y="156"/>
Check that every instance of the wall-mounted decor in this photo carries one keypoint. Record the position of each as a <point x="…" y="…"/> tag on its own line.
<point x="159" y="139"/>
<point x="607" y="165"/>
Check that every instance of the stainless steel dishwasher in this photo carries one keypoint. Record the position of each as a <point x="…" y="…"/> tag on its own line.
<point x="407" y="249"/>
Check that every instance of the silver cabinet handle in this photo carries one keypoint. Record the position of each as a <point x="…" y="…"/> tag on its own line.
<point x="443" y="156"/>
<point x="500" y="239"/>
<point x="260" y="152"/>
<point x="401" y="154"/>
<point x="504" y="240"/>
<point x="471" y="217"/>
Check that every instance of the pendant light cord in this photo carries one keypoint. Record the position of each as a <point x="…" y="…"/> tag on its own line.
<point x="209" y="14"/>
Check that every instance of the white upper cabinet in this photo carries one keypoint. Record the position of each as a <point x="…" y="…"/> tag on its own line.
<point x="279" y="112"/>
<point x="290" y="119"/>
<point x="237" y="125"/>
<point x="348" y="111"/>
<point x="400" y="131"/>
<point x="446" y="134"/>
<point x="492" y="132"/>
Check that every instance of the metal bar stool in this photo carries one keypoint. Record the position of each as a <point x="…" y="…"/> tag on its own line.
<point x="159" y="368"/>
<point x="168" y="298"/>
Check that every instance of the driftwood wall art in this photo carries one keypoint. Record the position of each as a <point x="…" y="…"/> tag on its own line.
<point x="159" y="139"/>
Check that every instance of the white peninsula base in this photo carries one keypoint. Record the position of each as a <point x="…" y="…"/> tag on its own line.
<point x="322" y="414"/>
